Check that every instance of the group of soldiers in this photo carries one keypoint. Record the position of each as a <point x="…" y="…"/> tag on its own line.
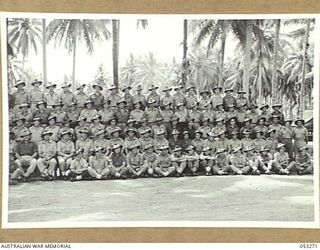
<point x="115" y="134"/>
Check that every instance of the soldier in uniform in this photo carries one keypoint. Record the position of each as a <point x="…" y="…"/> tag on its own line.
<point x="60" y="115"/>
<point x="131" y="139"/>
<point x="111" y="127"/>
<point x="241" y="114"/>
<point x="211" y="142"/>
<point x="221" y="164"/>
<point x="26" y="152"/>
<point x="276" y="112"/>
<point x="160" y="140"/>
<point x="113" y="96"/>
<point x="191" y="97"/>
<point x="216" y="97"/>
<point x="251" y="159"/>
<point x="207" y="160"/>
<point x="219" y="112"/>
<point x="65" y="152"/>
<point x="158" y="125"/>
<point x="73" y="114"/>
<point x="122" y="114"/>
<point x="53" y="128"/>
<point x="135" y="162"/>
<point x="179" y="97"/>
<point x="118" y="162"/>
<point x="66" y="127"/>
<point x="47" y="150"/>
<point x="145" y="138"/>
<point x="99" y="165"/>
<point x="100" y="141"/>
<point x="253" y="114"/>
<point x="261" y="126"/>
<point x="182" y="114"/>
<point x="185" y="142"/>
<point x="231" y="112"/>
<point x="241" y="99"/>
<point x="219" y="125"/>
<point x="137" y="113"/>
<point x="19" y="127"/>
<point x="106" y="113"/>
<point x="85" y="143"/>
<point x="272" y="141"/>
<point x="173" y="125"/>
<point x="128" y="97"/>
<point x="163" y="163"/>
<point x="197" y="142"/>
<point x="81" y="97"/>
<point x="194" y="114"/>
<point x="246" y="140"/>
<point x="247" y="125"/>
<point x="97" y="97"/>
<point x="228" y="100"/>
<point x="190" y="128"/>
<point x="178" y="161"/>
<point x="42" y="112"/>
<point x="67" y="97"/>
<point x="281" y="160"/>
<point x="167" y="99"/>
<point x="234" y="142"/>
<point x="139" y="97"/>
<point x="25" y="113"/>
<point x="222" y="141"/>
<point x="166" y="113"/>
<point x="150" y="158"/>
<point x="259" y="142"/>
<point x="79" y="167"/>
<point x="52" y="97"/>
<point x="192" y="159"/>
<point x="36" y="131"/>
<point x="232" y="126"/>
<point x="238" y="163"/>
<point x="205" y="98"/>
<point x="205" y="128"/>
<point x="88" y="112"/>
<point x="36" y="95"/>
<point x="20" y="96"/>
<point x="82" y="125"/>
<point x="303" y="163"/>
<point x="174" y="139"/>
<point x="131" y="124"/>
<point x="264" y="111"/>
<point x="153" y="95"/>
<point x="300" y="135"/>
<point x="275" y="125"/>
<point x="115" y="138"/>
<point x="265" y="161"/>
<point x="208" y="112"/>
<point x="96" y="126"/>
<point x="152" y="111"/>
<point x="286" y="135"/>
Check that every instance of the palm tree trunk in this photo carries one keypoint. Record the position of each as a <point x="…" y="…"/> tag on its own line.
<point x="223" y="46"/>
<point x="275" y="60"/>
<point x="185" y="50"/>
<point x="303" y="81"/>
<point x="247" y="58"/>
<point x="260" y="99"/>
<point x="74" y="62"/>
<point x="115" y="51"/>
<point x="44" y="51"/>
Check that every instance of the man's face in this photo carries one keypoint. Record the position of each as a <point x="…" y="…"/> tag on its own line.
<point x="19" y="123"/>
<point x="198" y="136"/>
<point x="99" y="153"/>
<point x="137" y="105"/>
<point x="27" y="138"/>
<point x="117" y="150"/>
<point x="66" y="137"/>
<point x="52" y="122"/>
<point x="106" y="105"/>
<point x="282" y="150"/>
<point x="116" y="134"/>
<point x="299" y="123"/>
<point x="79" y="156"/>
<point x="134" y="150"/>
<point x="42" y="106"/>
<point x="89" y="105"/>
<point x="131" y="134"/>
<point x="47" y="137"/>
<point x="121" y="105"/>
<point x="51" y="89"/>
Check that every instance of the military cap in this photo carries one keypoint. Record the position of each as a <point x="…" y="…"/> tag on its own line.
<point x="277" y="105"/>
<point x="299" y="119"/>
<point x="97" y="149"/>
<point x="264" y="106"/>
<point x="280" y="145"/>
<point x="112" y="87"/>
<point x="81" y="118"/>
<point x="96" y="117"/>
<point x="88" y="102"/>
<point x="36" y="81"/>
<point x="51" y="85"/>
<point x="166" y="89"/>
<point x="263" y="149"/>
<point x="175" y="132"/>
<point x="151" y="101"/>
<point x="302" y="148"/>
<point x="136" y="145"/>
<point x="220" y="150"/>
<point x="79" y="151"/>
<point x="82" y="86"/>
<point x="66" y="132"/>
<point x="177" y="149"/>
<point x="271" y="131"/>
<point x="115" y="146"/>
<point x="160" y="132"/>
<point x="25" y="133"/>
<point x="247" y="148"/>
<point x="163" y="147"/>
<point x="217" y="87"/>
<point x="148" y="146"/>
<point x="115" y="130"/>
<point x="152" y="87"/>
<point x="190" y="87"/>
<point x="24" y="105"/>
<point x="19" y="82"/>
<point x="97" y="85"/>
<point x="41" y="103"/>
<point x="236" y="149"/>
<point x="84" y="131"/>
<point x="241" y="91"/>
<point x="57" y="104"/>
<point x="65" y="85"/>
<point x="228" y="90"/>
<point x="53" y="117"/>
<point x="19" y="118"/>
<point x="205" y="149"/>
<point x="36" y="119"/>
<point x="46" y="133"/>
<point x="189" y="148"/>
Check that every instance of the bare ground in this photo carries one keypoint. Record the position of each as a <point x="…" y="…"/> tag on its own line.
<point x="215" y="198"/>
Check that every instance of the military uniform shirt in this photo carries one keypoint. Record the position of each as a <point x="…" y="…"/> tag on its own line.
<point x="98" y="163"/>
<point x="67" y="98"/>
<point x="182" y="115"/>
<point x="122" y="116"/>
<point x="166" y="115"/>
<point x="80" y="99"/>
<point x="88" y="113"/>
<point x="20" y="97"/>
<point x="52" y="98"/>
<point x="101" y="142"/>
<point x="86" y="145"/>
<point x="164" y="161"/>
<point x="65" y="147"/>
<point x="146" y="141"/>
<point x="166" y="100"/>
<point x="114" y="141"/>
<point x="78" y="164"/>
<point x="61" y="116"/>
<point x="196" y="115"/>
<point x="36" y="134"/>
<point x="282" y="158"/>
<point x="154" y="96"/>
<point x="47" y="149"/>
<point x="137" y="114"/>
<point x="26" y="148"/>
<point x="179" y="98"/>
<point x="42" y="115"/>
<point x="55" y="132"/>
<point x="106" y="115"/>
<point x="36" y="95"/>
<point x="97" y="99"/>
<point x="19" y="130"/>
<point x="151" y="113"/>
<point x="135" y="160"/>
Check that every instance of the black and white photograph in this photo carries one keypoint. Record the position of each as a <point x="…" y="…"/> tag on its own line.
<point x="160" y="120"/>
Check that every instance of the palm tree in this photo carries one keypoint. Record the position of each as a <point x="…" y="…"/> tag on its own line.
<point x="275" y="61"/>
<point x="115" y="46"/>
<point x="185" y="50"/>
<point x="69" y="31"/>
<point x="44" y="50"/>
<point x="24" y="34"/>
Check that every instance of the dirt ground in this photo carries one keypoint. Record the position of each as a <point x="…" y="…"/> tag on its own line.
<point x="213" y="198"/>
